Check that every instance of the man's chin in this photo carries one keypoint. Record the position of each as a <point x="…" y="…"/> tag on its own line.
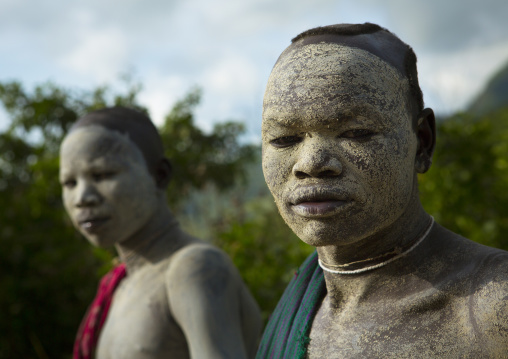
<point x="320" y="240"/>
<point x="99" y="241"/>
<point x="321" y="232"/>
<point x="319" y="237"/>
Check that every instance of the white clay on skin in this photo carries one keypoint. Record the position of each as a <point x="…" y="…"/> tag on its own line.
<point x="111" y="183"/>
<point x="322" y="92"/>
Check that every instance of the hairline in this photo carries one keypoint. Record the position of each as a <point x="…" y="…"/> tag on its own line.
<point x="410" y="102"/>
<point x="409" y="59"/>
<point x="108" y="118"/>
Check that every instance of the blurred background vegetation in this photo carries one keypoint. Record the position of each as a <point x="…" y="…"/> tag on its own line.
<point x="49" y="273"/>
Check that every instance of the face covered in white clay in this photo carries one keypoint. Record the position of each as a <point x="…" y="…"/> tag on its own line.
<point x="338" y="143"/>
<point x="108" y="191"/>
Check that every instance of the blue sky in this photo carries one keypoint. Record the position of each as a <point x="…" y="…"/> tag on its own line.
<point x="229" y="47"/>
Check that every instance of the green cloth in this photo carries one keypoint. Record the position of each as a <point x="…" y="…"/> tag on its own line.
<point x="287" y="332"/>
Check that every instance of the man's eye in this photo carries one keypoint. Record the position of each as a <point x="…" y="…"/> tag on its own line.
<point x="360" y="133"/>
<point x="286" y="141"/>
<point x="70" y="183"/>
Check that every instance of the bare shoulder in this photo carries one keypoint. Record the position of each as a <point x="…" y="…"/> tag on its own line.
<point x="492" y="274"/>
<point x="209" y="300"/>
<point x="196" y="257"/>
<point x="481" y="272"/>
<point x="202" y="264"/>
<point x="211" y="304"/>
<point x="489" y="302"/>
<point x="476" y="278"/>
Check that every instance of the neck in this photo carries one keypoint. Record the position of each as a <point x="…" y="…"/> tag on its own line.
<point x="372" y="256"/>
<point x="158" y="239"/>
<point x="382" y="260"/>
<point x="400" y="233"/>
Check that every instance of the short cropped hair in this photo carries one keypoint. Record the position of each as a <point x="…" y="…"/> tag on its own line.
<point x="411" y="72"/>
<point x="136" y="124"/>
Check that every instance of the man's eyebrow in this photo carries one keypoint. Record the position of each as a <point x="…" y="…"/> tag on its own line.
<point x="283" y="122"/>
<point x="280" y="121"/>
<point x="365" y="113"/>
<point x="340" y="117"/>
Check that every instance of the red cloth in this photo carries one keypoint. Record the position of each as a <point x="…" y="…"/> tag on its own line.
<point x="92" y="323"/>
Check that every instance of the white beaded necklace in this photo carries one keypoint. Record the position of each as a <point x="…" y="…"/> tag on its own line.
<point x="382" y="264"/>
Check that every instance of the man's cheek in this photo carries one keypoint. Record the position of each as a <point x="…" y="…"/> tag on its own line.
<point x="117" y="191"/>
<point x="67" y="200"/>
<point x="273" y="172"/>
<point x="269" y="176"/>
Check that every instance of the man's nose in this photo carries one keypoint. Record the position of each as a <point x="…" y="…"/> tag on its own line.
<point x="317" y="163"/>
<point x="87" y="195"/>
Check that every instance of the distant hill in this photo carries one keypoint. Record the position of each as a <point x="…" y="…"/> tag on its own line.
<point x="494" y="96"/>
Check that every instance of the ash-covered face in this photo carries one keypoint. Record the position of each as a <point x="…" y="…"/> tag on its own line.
<point x="338" y="143"/>
<point x="107" y="189"/>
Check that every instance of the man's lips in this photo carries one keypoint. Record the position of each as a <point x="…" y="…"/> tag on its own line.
<point x="319" y="209"/>
<point x="318" y="201"/>
<point x="91" y="224"/>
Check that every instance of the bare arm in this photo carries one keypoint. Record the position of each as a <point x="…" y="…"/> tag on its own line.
<point x="204" y="297"/>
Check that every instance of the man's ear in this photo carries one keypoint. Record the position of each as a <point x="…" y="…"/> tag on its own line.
<point x="426" y="135"/>
<point x="162" y="173"/>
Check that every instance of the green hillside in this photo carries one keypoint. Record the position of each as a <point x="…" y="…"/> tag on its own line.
<point x="494" y="96"/>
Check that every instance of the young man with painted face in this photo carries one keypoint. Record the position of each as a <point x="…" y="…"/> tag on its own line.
<point x="345" y="134"/>
<point x="181" y="297"/>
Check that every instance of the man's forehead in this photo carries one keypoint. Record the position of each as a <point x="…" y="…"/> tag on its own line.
<point x="326" y="76"/>
<point x="94" y="141"/>
<point x="381" y="44"/>
<point x="328" y="59"/>
<point x="136" y="125"/>
<point x="125" y="127"/>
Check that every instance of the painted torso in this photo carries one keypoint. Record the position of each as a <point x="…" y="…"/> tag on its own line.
<point x="140" y="323"/>
<point x="185" y="302"/>
<point x="182" y="297"/>
<point x="446" y="300"/>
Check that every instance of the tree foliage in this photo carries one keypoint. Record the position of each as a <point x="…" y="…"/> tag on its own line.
<point x="264" y="249"/>
<point x="48" y="273"/>
<point x="466" y="188"/>
<point x="200" y="159"/>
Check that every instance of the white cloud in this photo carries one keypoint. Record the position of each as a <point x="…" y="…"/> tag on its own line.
<point x="232" y="80"/>
<point x="232" y="75"/>
<point x="451" y="80"/>
<point x="228" y="48"/>
<point x="100" y="52"/>
<point x="160" y="93"/>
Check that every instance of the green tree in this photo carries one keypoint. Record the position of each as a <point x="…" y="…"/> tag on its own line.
<point x="200" y="159"/>
<point x="264" y="249"/>
<point x="466" y="188"/>
<point x="48" y="273"/>
<point x="244" y="221"/>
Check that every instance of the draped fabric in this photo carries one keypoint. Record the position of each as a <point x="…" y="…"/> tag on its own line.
<point x="91" y="325"/>
<point x="287" y="332"/>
